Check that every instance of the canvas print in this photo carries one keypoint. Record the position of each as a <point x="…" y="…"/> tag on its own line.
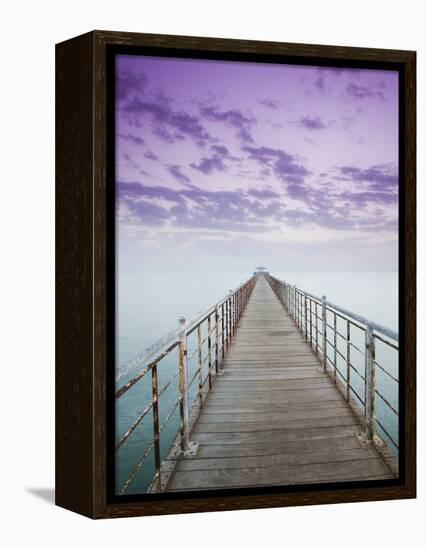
<point x="256" y="275"/>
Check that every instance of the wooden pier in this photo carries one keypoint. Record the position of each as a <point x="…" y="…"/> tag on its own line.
<point x="268" y="393"/>
<point x="274" y="417"/>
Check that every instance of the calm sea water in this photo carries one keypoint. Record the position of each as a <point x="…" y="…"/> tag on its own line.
<point x="148" y="307"/>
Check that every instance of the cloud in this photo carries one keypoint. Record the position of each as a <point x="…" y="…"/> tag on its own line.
<point x="256" y="210"/>
<point x="129" y="83"/>
<point x="136" y="140"/>
<point x="208" y="165"/>
<point x="130" y="161"/>
<point x="341" y="218"/>
<point x="149" y="155"/>
<point x="222" y="151"/>
<point x="319" y="84"/>
<point x="338" y="71"/>
<point x="334" y="206"/>
<point x="270" y="103"/>
<point x="285" y="166"/>
<point x="382" y="178"/>
<point x="151" y="213"/>
<point x="263" y="193"/>
<point x="312" y="123"/>
<point x="175" y="171"/>
<point x="233" y="118"/>
<point x="363" y="198"/>
<point x="357" y="93"/>
<point x="197" y="208"/>
<point x="169" y="125"/>
<point x="131" y="191"/>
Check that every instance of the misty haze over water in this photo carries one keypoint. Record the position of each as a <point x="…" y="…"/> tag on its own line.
<point x="150" y="306"/>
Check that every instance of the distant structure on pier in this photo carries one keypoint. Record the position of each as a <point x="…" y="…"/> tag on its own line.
<point x="260" y="271"/>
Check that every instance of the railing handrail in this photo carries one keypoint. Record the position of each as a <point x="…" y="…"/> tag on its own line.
<point x="375" y="326"/>
<point x="140" y="359"/>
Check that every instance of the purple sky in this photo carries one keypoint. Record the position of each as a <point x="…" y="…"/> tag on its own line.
<point x="256" y="164"/>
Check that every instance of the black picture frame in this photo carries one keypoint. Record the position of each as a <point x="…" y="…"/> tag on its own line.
<point x="85" y="268"/>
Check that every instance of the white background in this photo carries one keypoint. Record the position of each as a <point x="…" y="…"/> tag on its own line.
<point x="29" y="31"/>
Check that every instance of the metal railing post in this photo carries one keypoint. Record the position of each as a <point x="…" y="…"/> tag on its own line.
<point x="183" y="387"/>
<point x="230" y="316"/>
<point x="370" y="382"/>
<point x="239" y="305"/>
<point x="222" y="320"/>
<point x="295" y="304"/>
<point x="324" y="333"/>
<point x="335" y="348"/>
<point x="156" y="427"/>
<point x="227" y="323"/>
<point x="200" y="366"/>
<point x="216" y="337"/>
<point x="306" y="319"/>
<point x="187" y="447"/>
<point x="316" y="328"/>
<point x="348" y="361"/>
<point x="209" y="350"/>
<point x="300" y="313"/>
<point x="234" y="309"/>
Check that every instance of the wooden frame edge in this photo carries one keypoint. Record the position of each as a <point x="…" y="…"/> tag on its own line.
<point x="87" y="276"/>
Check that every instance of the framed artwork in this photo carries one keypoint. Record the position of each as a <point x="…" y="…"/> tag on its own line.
<point x="235" y="274"/>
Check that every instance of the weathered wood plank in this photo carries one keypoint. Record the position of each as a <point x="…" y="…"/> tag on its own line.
<point x="289" y="459"/>
<point x="283" y="434"/>
<point x="262" y="389"/>
<point x="268" y="426"/>
<point x="301" y="447"/>
<point x="281" y="475"/>
<point x="280" y="417"/>
<point x="283" y="377"/>
<point x="296" y="396"/>
<point x="271" y="384"/>
<point x="241" y="408"/>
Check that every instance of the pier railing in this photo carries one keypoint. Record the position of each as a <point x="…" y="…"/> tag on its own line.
<point x="348" y="347"/>
<point x="214" y="331"/>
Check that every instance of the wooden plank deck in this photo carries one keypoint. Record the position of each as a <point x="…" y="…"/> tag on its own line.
<point x="274" y="417"/>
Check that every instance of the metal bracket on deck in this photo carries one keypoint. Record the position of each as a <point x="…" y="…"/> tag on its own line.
<point x="362" y="436"/>
<point x="191" y="451"/>
<point x="375" y="440"/>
